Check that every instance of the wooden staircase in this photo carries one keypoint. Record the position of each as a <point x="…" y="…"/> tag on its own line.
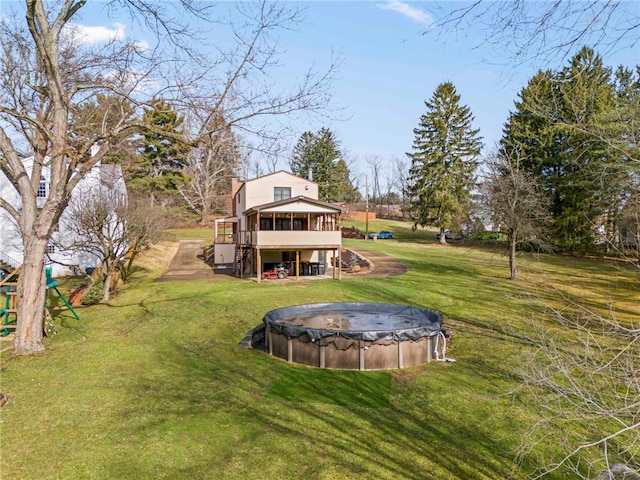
<point x="7" y="263"/>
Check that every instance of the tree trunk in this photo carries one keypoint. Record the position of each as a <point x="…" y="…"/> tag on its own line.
<point x="106" y="289"/>
<point x="31" y="298"/>
<point x="512" y="257"/>
<point x="443" y="237"/>
<point x="204" y="213"/>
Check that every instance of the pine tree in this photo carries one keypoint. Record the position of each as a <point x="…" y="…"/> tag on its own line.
<point x="559" y="126"/>
<point x="304" y="155"/>
<point x="321" y="152"/>
<point x="160" y="167"/>
<point x="528" y="131"/>
<point x="443" y="162"/>
<point x="344" y="189"/>
<point x="586" y="93"/>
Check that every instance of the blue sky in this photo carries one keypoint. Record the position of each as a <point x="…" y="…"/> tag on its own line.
<point x="389" y="67"/>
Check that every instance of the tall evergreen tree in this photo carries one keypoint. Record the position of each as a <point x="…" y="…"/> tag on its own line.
<point x="160" y="167"/>
<point x="621" y="130"/>
<point x="443" y="162"/>
<point x="304" y="155"/>
<point x="558" y="125"/>
<point x="321" y="152"/>
<point x="585" y="94"/>
<point x="344" y="189"/>
<point x="528" y="130"/>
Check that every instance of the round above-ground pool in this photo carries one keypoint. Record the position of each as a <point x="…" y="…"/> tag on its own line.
<point x="353" y="336"/>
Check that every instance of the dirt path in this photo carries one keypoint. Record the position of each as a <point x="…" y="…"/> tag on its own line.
<point x="187" y="265"/>
<point x="383" y="265"/>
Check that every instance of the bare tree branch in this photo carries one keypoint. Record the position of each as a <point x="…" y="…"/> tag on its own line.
<point x="523" y="31"/>
<point x="585" y="382"/>
<point x="48" y="73"/>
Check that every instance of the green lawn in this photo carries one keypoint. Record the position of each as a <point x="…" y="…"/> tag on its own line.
<point x="203" y="233"/>
<point x="155" y="386"/>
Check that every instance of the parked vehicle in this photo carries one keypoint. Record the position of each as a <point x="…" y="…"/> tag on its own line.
<point x="382" y="234"/>
<point x="279" y="271"/>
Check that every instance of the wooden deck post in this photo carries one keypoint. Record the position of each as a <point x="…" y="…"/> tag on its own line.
<point x="258" y="265"/>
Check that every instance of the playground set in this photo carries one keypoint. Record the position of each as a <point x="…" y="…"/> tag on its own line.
<point x="9" y="314"/>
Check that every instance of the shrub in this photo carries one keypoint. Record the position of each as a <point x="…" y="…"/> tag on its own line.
<point x="94" y="293"/>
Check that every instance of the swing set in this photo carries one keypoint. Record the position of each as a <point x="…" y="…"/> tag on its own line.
<point x="9" y="314"/>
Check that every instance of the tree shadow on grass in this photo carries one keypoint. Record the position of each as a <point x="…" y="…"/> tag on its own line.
<point x="246" y="410"/>
<point x="338" y="387"/>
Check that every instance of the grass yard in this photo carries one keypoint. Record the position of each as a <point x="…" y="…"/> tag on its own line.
<point x="204" y="233"/>
<point x="154" y="385"/>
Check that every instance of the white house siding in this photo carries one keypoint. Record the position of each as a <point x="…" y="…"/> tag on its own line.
<point x="100" y="177"/>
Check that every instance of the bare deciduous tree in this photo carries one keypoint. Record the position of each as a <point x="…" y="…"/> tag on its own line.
<point x="94" y="224"/>
<point x="585" y="381"/>
<point x="515" y="203"/>
<point x="45" y="72"/>
<point x="375" y="170"/>
<point x="104" y="225"/>
<point x="48" y="71"/>
<point x="210" y="167"/>
<point x="239" y="87"/>
<point x="589" y="386"/>
<point x="401" y="180"/>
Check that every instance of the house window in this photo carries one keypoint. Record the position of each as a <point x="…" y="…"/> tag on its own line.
<point x="281" y="193"/>
<point x="300" y="224"/>
<point x="42" y="188"/>
<point x="266" y="224"/>
<point x="51" y="248"/>
<point x="283" y="224"/>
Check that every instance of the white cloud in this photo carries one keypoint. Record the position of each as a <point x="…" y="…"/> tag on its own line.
<point x="134" y="81"/>
<point x="99" y="34"/>
<point x="141" y="45"/>
<point x="415" y="14"/>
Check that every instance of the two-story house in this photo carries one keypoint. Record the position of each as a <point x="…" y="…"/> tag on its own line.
<point x="278" y="219"/>
<point x="62" y="262"/>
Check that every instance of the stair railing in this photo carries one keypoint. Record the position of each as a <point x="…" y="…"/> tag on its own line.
<point x="7" y="260"/>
